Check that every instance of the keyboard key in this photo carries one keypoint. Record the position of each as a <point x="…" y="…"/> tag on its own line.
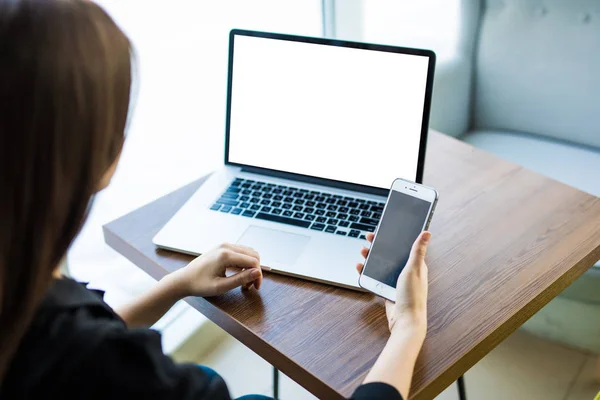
<point x="309" y="197"/>
<point x="342" y="233"/>
<point x="368" y="221"/>
<point x="215" y="207"/>
<point x="371" y="202"/>
<point x="303" y="190"/>
<point x="364" y="206"/>
<point x="343" y="224"/>
<point x="227" y="202"/>
<point x="255" y="207"/>
<point x="348" y="198"/>
<point x="321" y="219"/>
<point x="299" y="215"/>
<point x="288" y="199"/>
<point x="337" y="196"/>
<point x="376" y="215"/>
<point x="249" y="181"/>
<point x="365" y="214"/>
<point x="332" y="207"/>
<point x="225" y="209"/>
<point x="353" y="218"/>
<point x="237" y="182"/>
<point x="314" y="192"/>
<point x="343" y="209"/>
<point x="287" y="213"/>
<point x="299" y="201"/>
<point x="286" y="206"/>
<point x="236" y="211"/>
<point x="247" y="185"/>
<point x="354" y="211"/>
<point x="248" y="213"/>
<point x="266" y="209"/>
<point x="354" y="233"/>
<point x="310" y="203"/>
<point x="342" y="216"/>
<point x="254" y="200"/>
<point x="309" y="217"/>
<point x="362" y="227"/>
<point x="330" y="201"/>
<point x="278" y="198"/>
<point x="352" y="204"/>
<point x="288" y="193"/>
<point x="326" y="194"/>
<point x="320" y="198"/>
<point x="298" y="194"/>
<point x="245" y="205"/>
<point x="330" y="229"/>
<point x="320" y="212"/>
<point x="265" y="202"/>
<point x="267" y="196"/>
<point x="247" y="192"/>
<point x="297" y="208"/>
<point x="277" y="211"/>
<point x="231" y="196"/>
<point x="309" y="210"/>
<point x="321" y="205"/>
<point x="360" y="200"/>
<point x="330" y="214"/>
<point x="232" y="189"/>
<point x="363" y="237"/>
<point x="342" y="203"/>
<point x="283" y="220"/>
<point x="317" y="227"/>
<point x="256" y="187"/>
<point x="377" y="209"/>
<point x="244" y="198"/>
<point x="332" y="221"/>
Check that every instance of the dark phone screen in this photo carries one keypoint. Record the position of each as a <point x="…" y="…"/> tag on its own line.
<point x="400" y="225"/>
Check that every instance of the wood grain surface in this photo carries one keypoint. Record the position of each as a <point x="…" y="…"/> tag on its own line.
<point x="505" y="242"/>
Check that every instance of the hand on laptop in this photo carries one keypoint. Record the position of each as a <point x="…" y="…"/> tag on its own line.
<point x="411" y="289"/>
<point x="205" y="276"/>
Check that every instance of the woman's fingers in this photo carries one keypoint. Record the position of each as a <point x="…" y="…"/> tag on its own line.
<point x="370" y="237"/>
<point x="246" y="251"/>
<point x="359" y="267"/>
<point x="238" y="248"/>
<point x="364" y="252"/>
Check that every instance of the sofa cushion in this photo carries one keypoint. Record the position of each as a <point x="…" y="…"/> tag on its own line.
<point x="576" y="166"/>
<point x="536" y="69"/>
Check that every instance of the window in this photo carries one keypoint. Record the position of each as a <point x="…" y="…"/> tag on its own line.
<point x="177" y="130"/>
<point x="432" y="24"/>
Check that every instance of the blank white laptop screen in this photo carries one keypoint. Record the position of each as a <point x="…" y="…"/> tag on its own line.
<point x="340" y="113"/>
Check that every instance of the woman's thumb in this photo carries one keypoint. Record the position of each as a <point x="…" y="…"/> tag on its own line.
<point x="419" y="248"/>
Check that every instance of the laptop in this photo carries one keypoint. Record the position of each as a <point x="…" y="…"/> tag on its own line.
<point x="316" y="131"/>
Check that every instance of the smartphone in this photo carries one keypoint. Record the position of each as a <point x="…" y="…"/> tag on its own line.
<point x="407" y="212"/>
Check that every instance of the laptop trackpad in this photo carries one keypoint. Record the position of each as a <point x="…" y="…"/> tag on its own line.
<point x="277" y="246"/>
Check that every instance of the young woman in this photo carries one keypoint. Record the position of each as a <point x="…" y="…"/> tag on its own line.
<point x="65" y="80"/>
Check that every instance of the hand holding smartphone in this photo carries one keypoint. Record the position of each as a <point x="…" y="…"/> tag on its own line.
<point x="408" y="212"/>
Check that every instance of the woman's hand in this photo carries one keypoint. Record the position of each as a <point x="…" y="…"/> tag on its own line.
<point x="205" y="276"/>
<point x="411" y="289"/>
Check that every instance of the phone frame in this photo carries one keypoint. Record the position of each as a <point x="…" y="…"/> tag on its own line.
<point x="412" y="189"/>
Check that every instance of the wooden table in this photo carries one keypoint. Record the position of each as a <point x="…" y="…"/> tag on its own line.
<point x="505" y="242"/>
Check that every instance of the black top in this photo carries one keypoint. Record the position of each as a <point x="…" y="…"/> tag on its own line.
<point x="77" y="347"/>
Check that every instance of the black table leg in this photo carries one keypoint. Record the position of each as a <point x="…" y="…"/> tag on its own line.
<point x="275" y="383"/>
<point x="462" y="391"/>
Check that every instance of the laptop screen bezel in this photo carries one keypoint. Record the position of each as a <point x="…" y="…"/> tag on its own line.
<point x="331" y="42"/>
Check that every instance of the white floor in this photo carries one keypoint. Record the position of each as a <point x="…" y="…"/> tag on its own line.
<point x="522" y="367"/>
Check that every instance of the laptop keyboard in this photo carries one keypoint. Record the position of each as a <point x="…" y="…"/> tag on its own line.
<point x="320" y="211"/>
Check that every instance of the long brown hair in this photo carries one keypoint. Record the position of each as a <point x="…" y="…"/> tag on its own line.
<point x="65" y="79"/>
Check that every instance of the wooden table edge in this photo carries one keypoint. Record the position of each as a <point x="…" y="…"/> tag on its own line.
<point x="485" y="346"/>
<point x="233" y="327"/>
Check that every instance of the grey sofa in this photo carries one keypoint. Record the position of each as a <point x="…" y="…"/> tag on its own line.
<point x="525" y="85"/>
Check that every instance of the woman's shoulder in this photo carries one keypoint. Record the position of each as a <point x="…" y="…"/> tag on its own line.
<point x="72" y="329"/>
